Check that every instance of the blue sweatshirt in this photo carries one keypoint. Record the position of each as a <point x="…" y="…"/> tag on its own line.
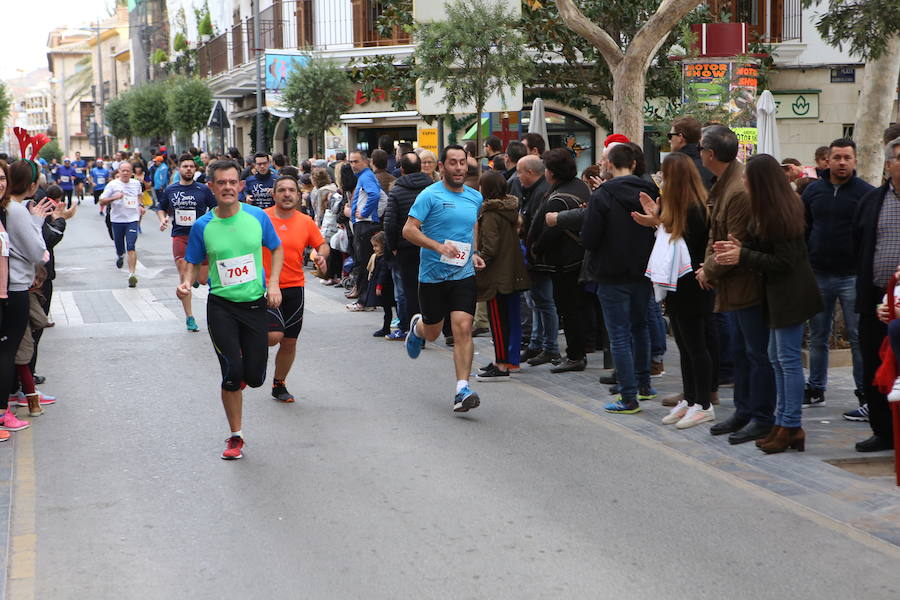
<point x="366" y="185"/>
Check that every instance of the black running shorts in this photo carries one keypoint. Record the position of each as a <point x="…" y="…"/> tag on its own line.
<point x="289" y="316"/>
<point x="239" y="337"/>
<point x="437" y="300"/>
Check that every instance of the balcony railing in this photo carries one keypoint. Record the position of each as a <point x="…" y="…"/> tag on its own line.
<point x="294" y="24"/>
<point x="770" y="21"/>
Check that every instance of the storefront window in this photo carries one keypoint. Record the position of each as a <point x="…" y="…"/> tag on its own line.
<point x="567" y="131"/>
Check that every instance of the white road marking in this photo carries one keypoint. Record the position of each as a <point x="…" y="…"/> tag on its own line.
<point x="63" y="309"/>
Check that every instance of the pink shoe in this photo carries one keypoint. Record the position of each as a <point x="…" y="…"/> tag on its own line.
<point x="9" y="422"/>
<point x="21" y="400"/>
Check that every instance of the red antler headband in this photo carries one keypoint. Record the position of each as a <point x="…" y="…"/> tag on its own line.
<point x="36" y="142"/>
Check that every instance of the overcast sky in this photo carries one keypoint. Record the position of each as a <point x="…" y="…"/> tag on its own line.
<point x="25" y="25"/>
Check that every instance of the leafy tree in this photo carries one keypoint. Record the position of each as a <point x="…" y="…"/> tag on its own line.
<point x="117" y="117"/>
<point x="51" y="151"/>
<point x="317" y="94"/>
<point x="147" y="111"/>
<point x="189" y="103"/>
<point x="476" y="52"/>
<point x="871" y="30"/>
<point x="381" y="72"/>
<point x="5" y="105"/>
<point x="628" y="58"/>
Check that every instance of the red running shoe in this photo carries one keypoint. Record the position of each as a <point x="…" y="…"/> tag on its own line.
<point x="233" y="446"/>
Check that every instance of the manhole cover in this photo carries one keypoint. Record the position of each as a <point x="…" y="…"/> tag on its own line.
<point x="876" y="466"/>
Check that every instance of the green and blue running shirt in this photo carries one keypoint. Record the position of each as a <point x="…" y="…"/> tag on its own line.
<point x="234" y="248"/>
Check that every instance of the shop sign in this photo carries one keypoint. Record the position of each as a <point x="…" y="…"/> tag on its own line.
<point x="428" y="139"/>
<point x="748" y="139"/>
<point x="796" y="105"/>
<point x="843" y="75"/>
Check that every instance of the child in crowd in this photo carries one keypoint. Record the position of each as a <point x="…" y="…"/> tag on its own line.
<point x="889" y="312"/>
<point x="381" y="286"/>
<point x="37" y="320"/>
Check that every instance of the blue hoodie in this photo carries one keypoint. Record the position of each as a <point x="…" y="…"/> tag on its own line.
<point x="368" y="184"/>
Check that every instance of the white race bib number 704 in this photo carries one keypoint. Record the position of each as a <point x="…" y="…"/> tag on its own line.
<point x="235" y="271"/>
<point x="185" y="217"/>
<point x="462" y="254"/>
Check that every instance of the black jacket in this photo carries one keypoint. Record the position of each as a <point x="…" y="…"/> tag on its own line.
<point x="619" y="247"/>
<point x="791" y="293"/>
<point x="829" y="223"/>
<point x="530" y="200"/>
<point x="865" y="235"/>
<point x="400" y="200"/>
<point x="693" y="150"/>
<point x="689" y="299"/>
<point x="555" y="249"/>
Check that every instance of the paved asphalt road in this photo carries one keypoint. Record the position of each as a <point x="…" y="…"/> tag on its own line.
<point x="368" y="486"/>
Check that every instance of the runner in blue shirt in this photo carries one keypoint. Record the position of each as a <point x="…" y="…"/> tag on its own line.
<point x="443" y="221"/>
<point x="258" y="187"/>
<point x="99" y="177"/>
<point x="183" y="203"/>
<point x="65" y="177"/>
<point x="80" y="173"/>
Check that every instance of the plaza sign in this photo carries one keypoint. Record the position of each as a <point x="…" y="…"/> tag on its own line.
<point x="797" y="105"/>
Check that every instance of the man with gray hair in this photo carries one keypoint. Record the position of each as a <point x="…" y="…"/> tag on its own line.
<point x="739" y="291"/>
<point x="876" y="238"/>
<point x="543" y="346"/>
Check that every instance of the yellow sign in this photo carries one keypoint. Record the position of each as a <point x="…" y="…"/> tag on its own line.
<point x="428" y="139"/>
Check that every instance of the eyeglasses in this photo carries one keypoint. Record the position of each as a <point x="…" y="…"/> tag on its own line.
<point x="672" y="134"/>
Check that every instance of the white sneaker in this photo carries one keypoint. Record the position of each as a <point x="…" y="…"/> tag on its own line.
<point x="696" y="415"/>
<point x="676" y="414"/>
<point x="894" y="396"/>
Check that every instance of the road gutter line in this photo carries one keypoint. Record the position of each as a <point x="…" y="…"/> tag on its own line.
<point x="22" y="562"/>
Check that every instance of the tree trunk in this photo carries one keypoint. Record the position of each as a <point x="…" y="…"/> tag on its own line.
<point x="873" y="111"/>
<point x="629" y="87"/>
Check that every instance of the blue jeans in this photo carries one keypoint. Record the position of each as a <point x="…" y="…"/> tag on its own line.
<point x="754" y="380"/>
<point x="544" y="320"/>
<point x="834" y="288"/>
<point x="399" y="295"/>
<point x="784" y="354"/>
<point x="625" y="313"/>
<point x="657" y="326"/>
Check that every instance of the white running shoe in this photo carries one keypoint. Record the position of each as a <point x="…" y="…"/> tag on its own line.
<point x="696" y="415"/>
<point x="894" y="396"/>
<point x="676" y="413"/>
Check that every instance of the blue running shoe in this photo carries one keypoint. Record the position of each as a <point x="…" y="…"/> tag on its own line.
<point x="623" y="408"/>
<point x="413" y="342"/>
<point x="465" y="400"/>
<point x="191" y="324"/>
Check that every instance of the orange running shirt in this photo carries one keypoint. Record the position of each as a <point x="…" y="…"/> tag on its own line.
<point x="296" y="234"/>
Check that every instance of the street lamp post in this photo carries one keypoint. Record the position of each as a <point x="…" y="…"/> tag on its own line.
<point x="260" y="133"/>
<point x="100" y="79"/>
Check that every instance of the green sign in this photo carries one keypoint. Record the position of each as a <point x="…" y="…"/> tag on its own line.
<point x="796" y="105"/>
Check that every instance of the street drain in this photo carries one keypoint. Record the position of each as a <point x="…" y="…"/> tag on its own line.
<point x="876" y="466"/>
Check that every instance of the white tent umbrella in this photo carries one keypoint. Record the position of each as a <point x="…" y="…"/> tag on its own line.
<point x="767" y="129"/>
<point x="538" y="123"/>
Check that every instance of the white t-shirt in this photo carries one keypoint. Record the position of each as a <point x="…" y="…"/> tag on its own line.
<point x="128" y="208"/>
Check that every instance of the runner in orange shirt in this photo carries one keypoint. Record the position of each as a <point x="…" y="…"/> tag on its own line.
<point x="297" y="232"/>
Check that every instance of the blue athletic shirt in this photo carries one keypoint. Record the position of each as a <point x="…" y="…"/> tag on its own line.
<point x="446" y="215"/>
<point x="65" y="176"/>
<point x="100" y="177"/>
<point x="177" y="197"/>
<point x="79" y="166"/>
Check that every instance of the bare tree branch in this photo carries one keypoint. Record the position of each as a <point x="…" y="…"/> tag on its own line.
<point x="593" y="33"/>
<point x="653" y="34"/>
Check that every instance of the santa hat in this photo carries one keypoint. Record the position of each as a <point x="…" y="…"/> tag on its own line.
<point x="615" y="138"/>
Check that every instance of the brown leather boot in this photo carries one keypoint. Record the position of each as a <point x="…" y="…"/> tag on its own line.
<point x="787" y="437"/>
<point x="34" y="405"/>
<point x="769" y="437"/>
<point x="714" y="398"/>
<point x="672" y="400"/>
